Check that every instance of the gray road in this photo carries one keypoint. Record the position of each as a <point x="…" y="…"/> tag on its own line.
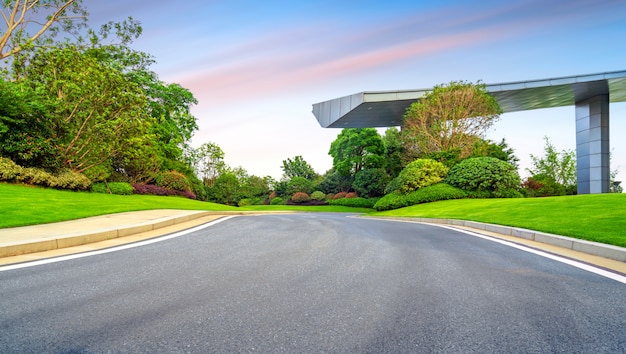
<point x="312" y="283"/>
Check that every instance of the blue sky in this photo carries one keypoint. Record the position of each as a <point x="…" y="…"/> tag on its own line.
<point x="257" y="67"/>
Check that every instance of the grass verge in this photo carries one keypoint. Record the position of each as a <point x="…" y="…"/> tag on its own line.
<point x="597" y="217"/>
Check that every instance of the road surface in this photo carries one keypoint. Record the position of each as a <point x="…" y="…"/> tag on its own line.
<point x="312" y="283"/>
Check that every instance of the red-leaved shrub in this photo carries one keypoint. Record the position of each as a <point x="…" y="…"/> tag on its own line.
<point x="300" y="197"/>
<point x="340" y="195"/>
<point x="351" y="195"/>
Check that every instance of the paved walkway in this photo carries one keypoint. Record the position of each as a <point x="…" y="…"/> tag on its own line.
<point x="23" y="244"/>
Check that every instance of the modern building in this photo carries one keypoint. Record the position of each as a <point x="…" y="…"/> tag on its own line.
<point x="591" y="94"/>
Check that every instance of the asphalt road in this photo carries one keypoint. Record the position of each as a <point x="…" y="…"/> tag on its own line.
<point x="312" y="283"/>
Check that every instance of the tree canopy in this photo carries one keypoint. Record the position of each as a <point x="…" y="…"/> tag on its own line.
<point x="356" y="149"/>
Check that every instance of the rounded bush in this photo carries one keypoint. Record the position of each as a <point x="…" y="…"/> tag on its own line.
<point x="391" y="201"/>
<point x="351" y="195"/>
<point x="356" y="202"/>
<point x="276" y="201"/>
<point x="421" y="173"/>
<point x="299" y="184"/>
<point x="340" y="195"/>
<point x="73" y="180"/>
<point x="173" y="180"/>
<point x="9" y="170"/>
<point x="119" y="188"/>
<point x="318" y="195"/>
<point x="488" y="175"/>
<point x="300" y="197"/>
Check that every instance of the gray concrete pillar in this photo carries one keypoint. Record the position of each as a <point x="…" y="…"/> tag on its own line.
<point x="592" y="145"/>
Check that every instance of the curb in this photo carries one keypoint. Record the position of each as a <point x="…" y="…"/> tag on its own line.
<point x="594" y="248"/>
<point x="42" y="244"/>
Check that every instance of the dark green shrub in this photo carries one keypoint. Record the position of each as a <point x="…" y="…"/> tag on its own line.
<point x="300" y="197"/>
<point x="318" y="195"/>
<point x="244" y="202"/>
<point x="421" y="173"/>
<point x="391" y="201"/>
<point x="393" y="186"/>
<point x="299" y="184"/>
<point x="433" y="193"/>
<point x="356" y="202"/>
<point x="276" y="201"/>
<point x="370" y="182"/>
<point x="173" y="180"/>
<point x="119" y="188"/>
<point x="484" y="174"/>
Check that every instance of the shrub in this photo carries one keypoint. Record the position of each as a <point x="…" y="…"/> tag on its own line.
<point x="173" y="180"/>
<point x="421" y="173"/>
<point x="370" y="182"/>
<point x="391" y="201"/>
<point x="392" y="186"/>
<point x="300" y="197"/>
<point x="340" y="195"/>
<point x="485" y="174"/>
<point x="276" y="201"/>
<point x="9" y="170"/>
<point x="244" y="202"/>
<point x="299" y="184"/>
<point x="435" y="192"/>
<point x="119" y="188"/>
<point x="37" y="176"/>
<point x="330" y="196"/>
<point x="151" y="189"/>
<point x="355" y="202"/>
<point x="317" y="195"/>
<point x="73" y="180"/>
<point x="351" y="195"/>
<point x="541" y="185"/>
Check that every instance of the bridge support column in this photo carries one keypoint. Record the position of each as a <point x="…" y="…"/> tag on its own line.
<point x="592" y="145"/>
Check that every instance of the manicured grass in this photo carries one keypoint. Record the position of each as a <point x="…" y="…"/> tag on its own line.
<point x="599" y="218"/>
<point x="24" y="205"/>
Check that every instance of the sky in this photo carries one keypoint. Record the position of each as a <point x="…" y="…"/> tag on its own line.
<point x="257" y="67"/>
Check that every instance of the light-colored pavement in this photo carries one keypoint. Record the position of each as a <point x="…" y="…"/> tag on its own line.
<point x="23" y="244"/>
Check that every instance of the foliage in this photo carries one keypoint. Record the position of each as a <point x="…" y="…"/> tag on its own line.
<point x="73" y="180"/>
<point x="225" y="189"/>
<point x="299" y="184"/>
<point x="432" y="193"/>
<point x="501" y="151"/>
<point x="420" y="173"/>
<point x="485" y="174"/>
<point x="173" y="180"/>
<point x="334" y="182"/>
<point x="318" y="195"/>
<point x="276" y="201"/>
<point x="300" y="197"/>
<point x="370" y="182"/>
<point x="356" y="149"/>
<point x="208" y="161"/>
<point x="542" y="186"/>
<point x="351" y="195"/>
<point x="298" y="168"/>
<point x="9" y="170"/>
<point x="119" y="188"/>
<point x="244" y="202"/>
<point x="356" y="202"/>
<point x="557" y="166"/>
<point x="452" y="116"/>
<point x="340" y="195"/>
<point x="151" y="189"/>
<point x="394" y="151"/>
<point x="64" y="179"/>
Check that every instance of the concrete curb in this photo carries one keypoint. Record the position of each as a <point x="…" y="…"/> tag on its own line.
<point x="593" y="248"/>
<point x="90" y="236"/>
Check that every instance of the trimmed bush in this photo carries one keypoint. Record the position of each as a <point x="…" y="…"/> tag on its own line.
<point x="173" y="180"/>
<point x="351" y="195"/>
<point x="151" y="189"/>
<point x="9" y="170"/>
<point x="119" y="188"/>
<point x="37" y="176"/>
<point x="73" y="180"/>
<point x="300" y="197"/>
<point x="391" y="201"/>
<point x="276" y="201"/>
<point x="421" y="173"/>
<point x="340" y="195"/>
<point x="485" y="174"/>
<point x="317" y="195"/>
<point x="299" y="184"/>
<point x="355" y="202"/>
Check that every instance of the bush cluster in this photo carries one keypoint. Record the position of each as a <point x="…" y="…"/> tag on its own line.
<point x="488" y="175"/>
<point x="151" y="189"/>
<point x="119" y="188"/>
<point x="432" y="193"/>
<point x="420" y="173"/>
<point x="351" y="195"/>
<point x="64" y="179"/>
<point x="318" y="195"/>
<point x="339" y="195"/>
<point x="173" y="180"/>
<point x="276" y="201"/>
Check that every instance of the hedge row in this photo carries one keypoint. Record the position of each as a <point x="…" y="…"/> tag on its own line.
<point x="432" y="193"/>
<point x="65" y="179"/>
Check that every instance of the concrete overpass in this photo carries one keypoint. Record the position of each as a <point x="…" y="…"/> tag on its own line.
<point x="591" y="94"/>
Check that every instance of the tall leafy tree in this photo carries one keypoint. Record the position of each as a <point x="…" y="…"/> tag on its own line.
<point x="356" y="149"/>
<point x="452" y="116"/>
<point x="208" y="161"/>
<point x="298" y="167"/>
<point x="394" y="151"/>
<point x="559" y="166"/>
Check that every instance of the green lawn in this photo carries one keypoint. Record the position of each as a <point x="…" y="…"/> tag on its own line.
<point x="24" y="205"/>
<point x="599" y="217"/>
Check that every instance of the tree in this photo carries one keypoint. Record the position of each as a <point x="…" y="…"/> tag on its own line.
<point x="95" y="111"/>
<point x="356" y="149"/>
<point x="557" y="166"/>
<point x="298" y="168"/>
<point x="209" y="162"/>
<point x="370" y="182"/>
<point x="46" y="17"/>
<point x="500" y="150"/>
<point x="394" y="151"/>
<point x="485" y="177"/>
<point x="452" y="116"/>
